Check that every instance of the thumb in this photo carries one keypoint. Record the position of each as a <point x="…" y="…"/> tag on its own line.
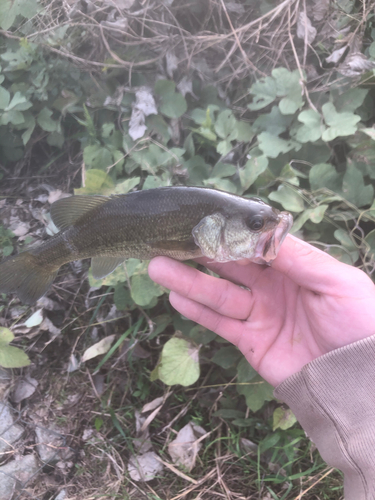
<point x="310" y="267"/>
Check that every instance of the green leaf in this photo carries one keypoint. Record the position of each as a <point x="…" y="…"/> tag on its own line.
<point x="227" y="357"/>
<point x="245" y="132"/>
<point x="273" y="122"/>
<point x="226" y="125"/>
<point x="173" y="106"/>
<point x="198" y="170"/>
<point x="56" y="139"/>
<point x="252" y="170"/>
<point x="339" y="124"/>
<point x="6" y="336"/>
<point x="312" y="127"/>
<point x="13" y="117"/>
<point x="324" y="175"/>
<point x="45" y="121"/>
<point x="354" y="189"/>
<point x="222" y="184"/>
<point x="127" y="185"/>
<point x="97" y="157"/>
<point x="201" y="335"/>
<point x="351" y="99"/>
<point x="164" y="88"/>
<point x="283" y="418"/>
<point x="272" y="145"/>
<point x="288" y="198"/>
<point x="11" y="357"/>
<point x="179" y="363"/>
<point x="144" y="290"/>
<point x="4" y="98"/>
<point x="122" y="297"/>
<point x="96" y="182"/>
<point x="245" y="372"/>
<point x="10" y="9"/>
<point x="19" y="102"/>
<point x="223" y="170"/>
<point x="264" y="92"/>
<point x="256" y="392"/>
<point x="317" y="214"/>
<point x="288" y="85"/>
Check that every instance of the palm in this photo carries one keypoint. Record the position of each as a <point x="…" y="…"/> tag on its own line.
<point x="303" y="306"/>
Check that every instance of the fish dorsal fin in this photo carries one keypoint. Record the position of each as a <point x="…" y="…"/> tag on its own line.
<point x="67" y="211"/>
<point x="102" y="266"/>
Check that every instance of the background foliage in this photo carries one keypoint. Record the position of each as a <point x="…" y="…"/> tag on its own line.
<point x="134" y="104"/>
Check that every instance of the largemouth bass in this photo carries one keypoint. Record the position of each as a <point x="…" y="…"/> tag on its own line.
<point x="179" y="222"/>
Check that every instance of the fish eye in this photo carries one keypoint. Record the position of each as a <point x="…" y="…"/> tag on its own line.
<point x="255" y="223"/>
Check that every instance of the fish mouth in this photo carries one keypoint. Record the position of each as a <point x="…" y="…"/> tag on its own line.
<point x="270" y="241"/>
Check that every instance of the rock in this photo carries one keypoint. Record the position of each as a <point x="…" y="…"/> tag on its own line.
<point x="9" y="431"/>
<point x="15" y="474"/>
<point x="48" y="443"/>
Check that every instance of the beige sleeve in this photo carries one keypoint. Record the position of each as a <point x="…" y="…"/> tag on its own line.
<point x="333" y="398"/>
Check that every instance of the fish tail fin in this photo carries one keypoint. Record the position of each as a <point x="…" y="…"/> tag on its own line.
<point x="26" y="276"/>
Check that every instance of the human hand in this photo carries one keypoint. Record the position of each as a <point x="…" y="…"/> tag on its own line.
<point x="305" y="305"/>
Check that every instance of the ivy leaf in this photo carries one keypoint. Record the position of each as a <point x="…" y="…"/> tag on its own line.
<point x="127" y="185"/>
<point x="252" y="170"/>
<point x="226" y="125"/>
<point x="351" y="99"/>
<point x="4" y="98"/>
<point x="317" y="214"/>
<point x="273" y="122"/>
<point x="144" y="290"/>
<point x="179" y="363"/>
<point x="283" y="418"/>
<point x="173" y="104"/>
<point x="226" y="357"/>
<point x="264" y="92"/>
<point x="245" y="132"/>
<point x="98" y="157"/>
<point x="272" y="145"/>
<point x="324" y="175"/>
<point x="10" y="9"/>
<point x="122" y="297"/>
<point x="288" y="85"/>
<point x="19" y="102"/>
<point x="6" y="336"/>
<point x="339" y="124"/>
<point x="288" y="198"/>
<point x="312" y="127"/>
<point x="245" y="372"/>
<point x="223" y="170"/>
<point x="11" y="357"/>
<point x="45" y="121"/>
<point x="96" y="182"/>
<point x="256" y="392"/>
<point x="354" y="188"/>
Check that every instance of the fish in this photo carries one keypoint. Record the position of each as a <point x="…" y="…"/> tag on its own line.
<point x="179" y="222"/>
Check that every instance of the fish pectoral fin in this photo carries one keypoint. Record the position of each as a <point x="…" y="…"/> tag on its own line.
<point x="208" y="234"/>
<point x="67" y="211"/>
<point x="184" y="246"/>
<point x="102" y="266"/>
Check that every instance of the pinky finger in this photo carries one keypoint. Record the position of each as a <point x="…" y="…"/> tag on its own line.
<point x="228" y="328"/>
